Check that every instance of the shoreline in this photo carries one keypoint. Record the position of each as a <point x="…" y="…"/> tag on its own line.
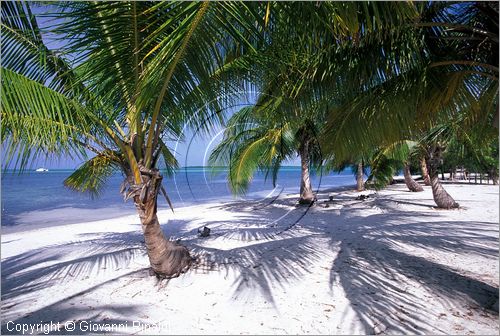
<point x="63" y="215"/>
<point x="391" y="263"/>
<point x="127" y="207"/>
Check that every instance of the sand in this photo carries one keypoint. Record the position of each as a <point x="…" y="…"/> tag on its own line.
<point x="389" y="264"/>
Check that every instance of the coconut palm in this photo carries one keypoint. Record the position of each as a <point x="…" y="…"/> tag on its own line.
<point x="434" y="147"/>
<point x="425" y="173"/>
<point x="360" y="185"/>
<point x="471" y="30"/>
<point x="299" y="75"/>
<point x="412" y="185"/>
<point x="357" y="165"/>
<point x="433" y="157"/>
<point x="262" y="137"/>
<point x="453" y="75"/>
<point x="476" y="153"/>
<point x="439" y="139"/>
<point x="384" y="163"/>
<point x="387" y="161"/>
<point x="127" y="74"/>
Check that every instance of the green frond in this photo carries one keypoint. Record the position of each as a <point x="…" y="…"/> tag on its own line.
<point x="38" y="120"/>
<point x="400" y="150"/>
<point x="24" y="52"/>
<point x="383" y="169"/>
<point x="92" y="175"/>
<point x="244" y="164"/>
<point x="349" y="80"/>
<point x="171" y="163"/>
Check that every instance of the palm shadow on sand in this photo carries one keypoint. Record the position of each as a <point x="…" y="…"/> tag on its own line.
<point x="373" y="270"/>
<point x="376" y="274"/>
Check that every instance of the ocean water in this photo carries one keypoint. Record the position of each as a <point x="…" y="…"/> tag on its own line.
<point x="40" y="198"/>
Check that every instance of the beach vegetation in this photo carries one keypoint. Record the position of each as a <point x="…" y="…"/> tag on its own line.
<point x="443" y="85"/>
<point x="334" y="83"/>
<point x="122" y="77"/>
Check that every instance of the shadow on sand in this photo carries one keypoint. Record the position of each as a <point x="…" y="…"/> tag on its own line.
<point x="377" y="259"/>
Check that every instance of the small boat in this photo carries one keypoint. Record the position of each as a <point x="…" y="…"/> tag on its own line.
<point x="42" y="170"/>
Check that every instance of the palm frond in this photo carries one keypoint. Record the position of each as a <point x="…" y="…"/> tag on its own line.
<point x="244" y="164"/>
<point x="170" y="161"/>
<point x="24" y="52"/>
<point x="38" y="120"/>
<point x="92" y="175"/>
<point x="383" y="169"/>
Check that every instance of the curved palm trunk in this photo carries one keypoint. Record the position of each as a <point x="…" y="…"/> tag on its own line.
<point x="441" y="197"/>
<point x="425" y="174"/>
<point x="410" y="182"/>
<point x="360" y="186"/>
<point x="306" y="192"/>
<point x="167" y="259"/>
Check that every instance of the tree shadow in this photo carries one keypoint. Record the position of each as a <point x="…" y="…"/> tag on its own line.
<point x="67" y="271"/>
<point x="36" y="269"/>
<point x="379" y="257"/>
<point x="385" y="285"/>
<point x="63" y="272"/>
<point x="380" y="265"/>
<point x="252" y="222"/>
<point x="262" y="267"/>
<point x="63" y="311"/>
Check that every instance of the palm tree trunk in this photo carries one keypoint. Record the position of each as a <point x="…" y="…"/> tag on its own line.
<point x="410" y="182"/>
<point x="453" y="173"/>
<point x="441" y="197"/>
<point x="425" y="174"/>
<point x="494" y="176"/>
<point x="167" y="259"/>
<point x="359" y="177"/>
<point x="306" y="193"/>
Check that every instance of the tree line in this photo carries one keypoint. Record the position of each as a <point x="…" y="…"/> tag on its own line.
<point x="379" y="84"/>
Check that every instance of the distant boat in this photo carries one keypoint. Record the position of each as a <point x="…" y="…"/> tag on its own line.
<point x="42" y="170"/>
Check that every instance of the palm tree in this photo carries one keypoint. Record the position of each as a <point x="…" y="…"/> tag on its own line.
<point x="451" y="72"/>
<point x="128" y="74"/>
<point x="409" y="181"/>
<point x="478" y="152"/>
<point x="404" y="151"/>
<point x="357" y="165"/>
<point x="360" y="185"/>
<point x="425" y="173"/>
<point x="433" y="146"/>
<point x="298" y="74"/>
<point x="437" y="141"/>
<point x="386" y="161"/>
<point x="256" y="139"/>
<point x="471" y="31"/>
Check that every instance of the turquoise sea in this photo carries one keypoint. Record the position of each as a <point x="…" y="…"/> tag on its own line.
<point x="40" y="199"/>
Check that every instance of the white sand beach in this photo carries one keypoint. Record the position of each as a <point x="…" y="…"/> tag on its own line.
<point x="390" y="264"/>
